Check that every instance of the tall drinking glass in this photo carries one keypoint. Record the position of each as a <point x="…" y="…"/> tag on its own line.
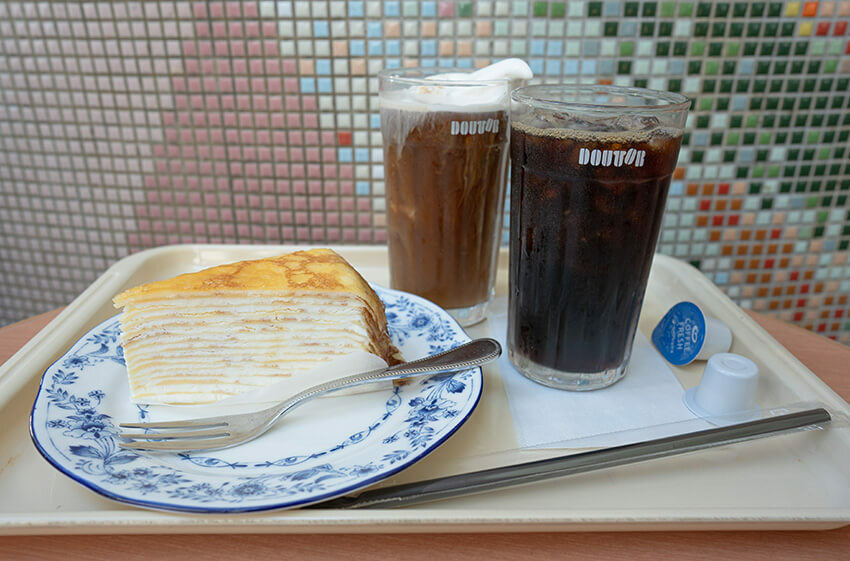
<point x="445" y="167"/>
<point x="590" y="170"/>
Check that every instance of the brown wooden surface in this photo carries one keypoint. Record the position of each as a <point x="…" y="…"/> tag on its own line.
<point x="825" y="358"/>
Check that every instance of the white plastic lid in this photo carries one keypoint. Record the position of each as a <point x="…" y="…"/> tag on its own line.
<point x="686" y="334"/>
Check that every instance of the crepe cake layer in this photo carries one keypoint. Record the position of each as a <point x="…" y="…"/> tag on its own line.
<point x="205" y="336"/>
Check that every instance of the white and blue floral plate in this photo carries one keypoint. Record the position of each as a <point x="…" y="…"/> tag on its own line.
<point x="326" y="448"/>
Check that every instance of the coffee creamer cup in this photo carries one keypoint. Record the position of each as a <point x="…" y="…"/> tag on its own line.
<point x="686" y="334"/>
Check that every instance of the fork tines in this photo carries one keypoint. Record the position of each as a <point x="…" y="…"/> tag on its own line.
<point x="175" y="436"/>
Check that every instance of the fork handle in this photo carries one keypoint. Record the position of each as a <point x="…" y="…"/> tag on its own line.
<point x="474" y="353"/>
<point x="468" y="355"/>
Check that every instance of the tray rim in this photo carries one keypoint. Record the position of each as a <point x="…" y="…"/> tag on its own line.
<point x="15" y="373"/>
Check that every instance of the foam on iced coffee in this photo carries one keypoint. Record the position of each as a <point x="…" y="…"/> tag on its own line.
<point x="483" y="108"/>
<point x="465" y="96"/>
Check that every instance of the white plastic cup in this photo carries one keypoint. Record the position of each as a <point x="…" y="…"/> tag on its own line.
<point x="718" y="339"/>
<point x="727" y="392"/>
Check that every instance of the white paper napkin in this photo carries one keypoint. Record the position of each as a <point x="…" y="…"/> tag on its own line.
<point x="260" y="398"/>
<point x="647" y="400"/>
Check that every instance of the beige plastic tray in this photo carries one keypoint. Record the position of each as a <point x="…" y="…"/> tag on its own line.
<point x="795" y="481"/>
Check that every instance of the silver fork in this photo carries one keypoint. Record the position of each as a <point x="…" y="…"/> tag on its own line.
<point x="212" y="433"/>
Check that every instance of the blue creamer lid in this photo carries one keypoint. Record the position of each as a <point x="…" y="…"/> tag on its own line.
<point x="680" y="334"/>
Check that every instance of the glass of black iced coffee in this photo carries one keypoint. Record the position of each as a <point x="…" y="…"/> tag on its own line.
<point x="590" y="170"/>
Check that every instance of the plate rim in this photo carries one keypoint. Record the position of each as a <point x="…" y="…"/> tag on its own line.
<point x="170" y="507"/>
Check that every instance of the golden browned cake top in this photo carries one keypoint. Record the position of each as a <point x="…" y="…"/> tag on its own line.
<point x="315" y="270"/>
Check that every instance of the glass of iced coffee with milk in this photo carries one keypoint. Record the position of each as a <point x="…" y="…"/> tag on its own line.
<point x="445" y="135"/>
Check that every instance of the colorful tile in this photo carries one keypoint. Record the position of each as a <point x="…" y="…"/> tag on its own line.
<point x="267" y="113"/>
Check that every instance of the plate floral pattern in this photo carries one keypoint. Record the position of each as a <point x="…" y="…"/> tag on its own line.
<point x="83" y="395"/>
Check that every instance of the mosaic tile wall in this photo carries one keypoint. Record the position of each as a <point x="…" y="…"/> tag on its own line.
<point x="128" y="125"/>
